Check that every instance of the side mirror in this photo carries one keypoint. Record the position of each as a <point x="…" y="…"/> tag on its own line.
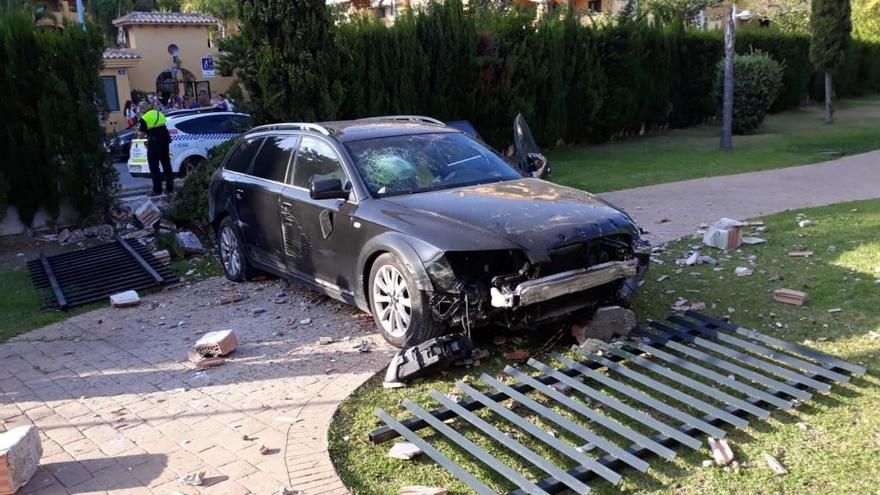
<point x="539" y="165"/>
<point x="327" y="189"/>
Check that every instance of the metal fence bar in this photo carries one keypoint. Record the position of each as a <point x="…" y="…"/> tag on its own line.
<point x="515" y="446"/>
<point x="529" y="427"/>
<point x="456" y="470"/>
<point x="756" y="377"/>
<point x="576" y="429"/>
<point x="56" y="289"/>
<point x="142" y="262"/>
<point x="650" y="402"/>
<point x="475" y="451"/>
<point x="795" y="348"/>
<point x="713" y="392"/>
<point x="711" y="375"/>
<point x="620" y="406"/>
<point x="761" y="364"/>
<point x="763" y="351"/>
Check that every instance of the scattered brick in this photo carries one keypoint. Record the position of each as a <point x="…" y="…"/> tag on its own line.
<point x="214" y="344"/>
<point x="790" y="296"/>
<point x="20" y="452"/>
<point x="125" y="299"/>
<point x="721" y="452"/>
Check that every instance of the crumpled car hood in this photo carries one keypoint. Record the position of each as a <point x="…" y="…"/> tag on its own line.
<point x="533" y="214"/>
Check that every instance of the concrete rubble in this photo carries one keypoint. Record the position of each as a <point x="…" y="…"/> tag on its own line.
<point x="422" y="490"/>
<point x="725" y="234"/>
<point x="190" y="243"/>
<point x="404" y="451"/>
<point x="775" y="465"/>
<point x="790" y="296"/>
<point x="147" y="213"/>
<point x="20" y="452"/>
<point x="125" y="299"/>
<point x="721" y="452"/>
<point x="215" y="344"/>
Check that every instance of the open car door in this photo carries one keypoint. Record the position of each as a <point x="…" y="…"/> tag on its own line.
<point x="528" y="156"/>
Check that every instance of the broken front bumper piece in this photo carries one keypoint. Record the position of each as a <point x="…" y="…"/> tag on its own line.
<point x="561" y="284"/>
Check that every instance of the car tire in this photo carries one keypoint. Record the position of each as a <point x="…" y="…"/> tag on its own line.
<point x="401" y="311"/>
<point x="233" y="256"/>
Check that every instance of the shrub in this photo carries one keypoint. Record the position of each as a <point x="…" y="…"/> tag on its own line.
<point x="189" y="205"/>
<point x="758" y="80"/>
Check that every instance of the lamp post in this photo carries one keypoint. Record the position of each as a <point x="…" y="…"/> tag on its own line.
<point x="729" y="53"/>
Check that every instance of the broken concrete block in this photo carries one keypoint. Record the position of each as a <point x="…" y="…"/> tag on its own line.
<point x="90" y="231"/>
<point x="775" y="465"/>
<point x="753" y="240"/>
<point x="610" y="320"/>
<point x="63" y="236"/>
<point x="805" y="223"/>
<point x="800" y="254"/>
<point x="125" y="299"/>
<point x="214" y="344"/>
<point x="404" y="451"/>
<point x="192" y="479"/>
<point x="325" y="340"/>
<point x="166" y="225"/>
<point x="20" y="452"/>
<point x="742" y="271"/>
<point x="190" y="243"/>
<point x="422" y="490"/>
<point x="724" y="234"/>
<point x="76" y="235"/>
<point x="104" y="231"/>
<point x="206" y="363"/>
<point x="162" y="256"/>
<point x="790" y="296"/>
<point x="720" y="451"/>
<point x="148" y="213"/>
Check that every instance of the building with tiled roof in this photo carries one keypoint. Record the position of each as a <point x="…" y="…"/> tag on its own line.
<point x="167" y="54"/>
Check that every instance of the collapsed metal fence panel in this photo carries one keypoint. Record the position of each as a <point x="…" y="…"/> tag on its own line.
<point x="721" y="358"/>
<point x="92" y="274"/>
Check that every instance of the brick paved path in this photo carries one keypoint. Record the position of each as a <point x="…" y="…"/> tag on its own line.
<point x="120" y="410"/>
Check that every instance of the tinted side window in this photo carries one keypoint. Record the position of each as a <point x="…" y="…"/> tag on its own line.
<point x="236" y="124"/>
<point x="209" y="124"/>
<point x="316" y="160"/>
<point x="242" y="156"/>
<point x="271" y="162"/>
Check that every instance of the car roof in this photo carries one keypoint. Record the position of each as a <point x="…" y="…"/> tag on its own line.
<point x="176" y="119"/>
<point x="356" y="130"/>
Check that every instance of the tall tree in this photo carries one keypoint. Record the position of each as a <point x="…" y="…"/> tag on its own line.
<point x="225" y="10"/>
<point x="831" y="24"/>
<point x="293" y="58"/>
<point x="787" y="15"/>
<point x="866" y="19"/>
<point x="686" y="10"/>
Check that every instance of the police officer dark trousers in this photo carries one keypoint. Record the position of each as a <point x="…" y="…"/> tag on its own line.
<point x="158" y="143"/>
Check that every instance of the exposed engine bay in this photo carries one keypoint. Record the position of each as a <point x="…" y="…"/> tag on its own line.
<point x="507" y="289"/>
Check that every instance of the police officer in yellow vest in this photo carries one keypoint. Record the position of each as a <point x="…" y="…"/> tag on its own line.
<point x="152" y="124"/>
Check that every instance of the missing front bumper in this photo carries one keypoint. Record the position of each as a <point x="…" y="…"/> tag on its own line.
<point x="564" y="283"/>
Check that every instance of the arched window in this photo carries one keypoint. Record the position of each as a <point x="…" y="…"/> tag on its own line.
<point x="176" y="82"/>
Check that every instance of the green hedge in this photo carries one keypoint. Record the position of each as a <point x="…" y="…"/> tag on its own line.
<point x="50" y="140"/>
<point x="573" y="83"/>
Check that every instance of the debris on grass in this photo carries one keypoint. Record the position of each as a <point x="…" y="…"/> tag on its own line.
<point x="790" y="296"/>
<point x="190" y="243"/>
<point x="404" y="451"/>
<point x="775" y="465"/>
<point x="775" y="278"/>
<point x="742" y="271"/>
<point x="753" y="240"/>
<point x="725" y="234"/>
<point x="800" y="254"/>
<point x="721" y="452"/>
<point x="516" y="355"/>
<point x="835" y="310"/>
<point x="805" y="223"/>
<point x="422" y="490"/>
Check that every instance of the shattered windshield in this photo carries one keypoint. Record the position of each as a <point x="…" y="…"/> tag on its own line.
<point x="426" y="162"/>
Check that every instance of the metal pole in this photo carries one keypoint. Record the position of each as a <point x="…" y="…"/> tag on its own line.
<point x="727" y="106"/>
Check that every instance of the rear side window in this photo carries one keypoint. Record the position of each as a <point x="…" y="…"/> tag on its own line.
<point x="241" y="157"/>
<point x="208" y="124"/>
<point x="316" y="160"/>
<point x="236" y="124"/>
<point x="271" y="162"/>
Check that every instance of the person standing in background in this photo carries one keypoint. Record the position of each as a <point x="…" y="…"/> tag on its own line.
<point x="152" y="125"/>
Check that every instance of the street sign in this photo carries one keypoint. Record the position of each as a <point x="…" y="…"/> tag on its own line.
<point x="208" y="67"/>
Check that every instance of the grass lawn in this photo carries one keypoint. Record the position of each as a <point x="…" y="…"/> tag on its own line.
<point x="838" y="451"/>
<point x="20" y="303"/>
<point x="787" y="139"/>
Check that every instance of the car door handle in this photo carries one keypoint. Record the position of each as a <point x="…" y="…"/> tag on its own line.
<point x="239" y="193"/>
<point x="286" y="207"/>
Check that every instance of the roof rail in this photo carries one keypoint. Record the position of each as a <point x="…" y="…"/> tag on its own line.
<point x="408" y="118"/>
<point x="292" y="126"/>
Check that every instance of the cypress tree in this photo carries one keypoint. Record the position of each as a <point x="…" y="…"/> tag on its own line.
<point x="831" y="24"/>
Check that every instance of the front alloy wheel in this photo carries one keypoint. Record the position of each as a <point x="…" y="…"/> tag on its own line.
<point x="392" y="303"/>
<point x="232" y="254"/>
<point x="400" y="308"/>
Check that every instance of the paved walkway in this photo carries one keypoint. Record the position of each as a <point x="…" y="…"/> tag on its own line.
<point x="121" y="411"/>
<point x="687" y="204"/>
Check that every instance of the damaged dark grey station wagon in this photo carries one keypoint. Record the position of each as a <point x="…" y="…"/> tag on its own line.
<point x="421" y="224"/>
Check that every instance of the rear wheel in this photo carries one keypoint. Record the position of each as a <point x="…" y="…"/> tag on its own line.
<point x="190" y="165"/>
<point x="232" y="253"/>
<point x="400" y="309"/>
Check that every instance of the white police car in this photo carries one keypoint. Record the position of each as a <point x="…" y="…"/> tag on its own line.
<point x="192" y="136"/>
